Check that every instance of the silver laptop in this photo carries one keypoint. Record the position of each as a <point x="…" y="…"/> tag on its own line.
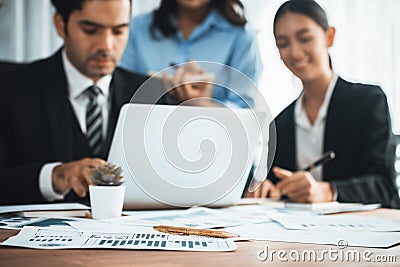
<point x="183" y="156"/>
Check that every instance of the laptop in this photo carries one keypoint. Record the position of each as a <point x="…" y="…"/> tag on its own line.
<point x="183" y="156"/>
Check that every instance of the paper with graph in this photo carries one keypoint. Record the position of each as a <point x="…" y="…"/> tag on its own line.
<point x="335" y="223"/>
<point x="44" y="238"/>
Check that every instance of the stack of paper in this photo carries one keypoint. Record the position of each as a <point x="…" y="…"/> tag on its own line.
<point x="57" y="210"/>
<point x="361" y="231"/>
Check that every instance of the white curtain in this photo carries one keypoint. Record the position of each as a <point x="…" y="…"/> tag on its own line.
<point x="366" y="47"/>
<point x="26" y="30"/>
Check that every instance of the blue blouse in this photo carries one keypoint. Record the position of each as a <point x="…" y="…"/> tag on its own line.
<point x="214" y="40"/>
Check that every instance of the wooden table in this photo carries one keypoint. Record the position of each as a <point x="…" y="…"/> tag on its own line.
<point x="245" y="255"/>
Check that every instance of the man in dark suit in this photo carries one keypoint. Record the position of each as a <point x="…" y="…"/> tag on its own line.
<point x="358" y="130"/>
<point x="47" y="147"/>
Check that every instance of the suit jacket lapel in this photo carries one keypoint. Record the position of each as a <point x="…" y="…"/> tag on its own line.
<point x="333" y="126"/>
<point x="63" y="124"/>
<point x="290" y="146"/>
<point x="286" y="144"/>
<point x="119" y="96"/>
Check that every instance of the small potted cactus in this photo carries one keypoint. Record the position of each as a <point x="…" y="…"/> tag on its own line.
<point x="107" y="192"/>
<point x="107" y="175"/>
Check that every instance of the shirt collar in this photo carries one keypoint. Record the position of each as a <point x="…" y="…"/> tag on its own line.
<point x="78" y="83"/>
<point x="300" y="114"/>
<point x="213" y="20"/>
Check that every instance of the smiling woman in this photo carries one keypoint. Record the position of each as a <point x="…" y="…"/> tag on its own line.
<point x="303" y="45"/>
<point x="351" y="119"/>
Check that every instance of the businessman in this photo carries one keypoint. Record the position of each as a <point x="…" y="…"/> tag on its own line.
<point x="58" y="115"/>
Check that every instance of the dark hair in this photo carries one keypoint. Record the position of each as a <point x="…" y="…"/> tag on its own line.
<point x="232" y="10"/>
<point x="309" y="8"/>
<point x="66" y="7"/>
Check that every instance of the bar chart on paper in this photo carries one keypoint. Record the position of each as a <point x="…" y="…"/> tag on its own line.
<point x="155" y="241"/>
<point x="36" y="237"/>
<point x="336" y="223"/>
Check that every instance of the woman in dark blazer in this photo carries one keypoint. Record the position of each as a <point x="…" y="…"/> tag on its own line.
<point x="330" y="114"/>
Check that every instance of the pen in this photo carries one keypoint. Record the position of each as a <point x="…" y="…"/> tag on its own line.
<point x="179" y="230"/>
<point x="328" y="156"/>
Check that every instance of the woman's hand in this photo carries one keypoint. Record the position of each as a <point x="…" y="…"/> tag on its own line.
<point x="301" y="187"/>
<point x="191" y="83"/>
<point x="262" y="190"/>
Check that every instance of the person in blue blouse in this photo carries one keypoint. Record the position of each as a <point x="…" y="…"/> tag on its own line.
<point x="180" y="31"/>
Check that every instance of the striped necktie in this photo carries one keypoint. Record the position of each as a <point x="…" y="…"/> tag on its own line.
<point x="94" y="120"/>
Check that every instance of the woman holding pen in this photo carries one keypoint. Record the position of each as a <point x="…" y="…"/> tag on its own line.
<point x="331" y="114"/>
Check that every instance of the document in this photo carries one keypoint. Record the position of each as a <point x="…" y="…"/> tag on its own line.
<point x="54" y="213"/>
<point x="43" y="207"/>
<point x="16" y="222"/>
<point x="335" y="223"/>
<point x="194" y="217"/>
<point x="44" y="238"/>
<point x="347" y="207"/>
<point x="198" y="217"/>
<point x="106" y="227"/>
<point x="274" y="231"/>
<point x="311" y="208"/>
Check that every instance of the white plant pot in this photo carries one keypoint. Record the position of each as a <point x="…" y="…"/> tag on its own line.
<point x="106" y="201"/>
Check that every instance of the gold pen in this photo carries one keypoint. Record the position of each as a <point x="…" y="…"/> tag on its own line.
<point x="180" y="230"/>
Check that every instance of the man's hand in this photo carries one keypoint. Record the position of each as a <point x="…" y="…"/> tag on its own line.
<point x="263" y="190"/>
<point x="301" y="187"/>
<point x="75" y="175"/>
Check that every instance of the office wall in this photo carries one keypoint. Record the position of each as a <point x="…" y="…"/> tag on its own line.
<point x="26" y="30"/>
<point x="365" y="49"/>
